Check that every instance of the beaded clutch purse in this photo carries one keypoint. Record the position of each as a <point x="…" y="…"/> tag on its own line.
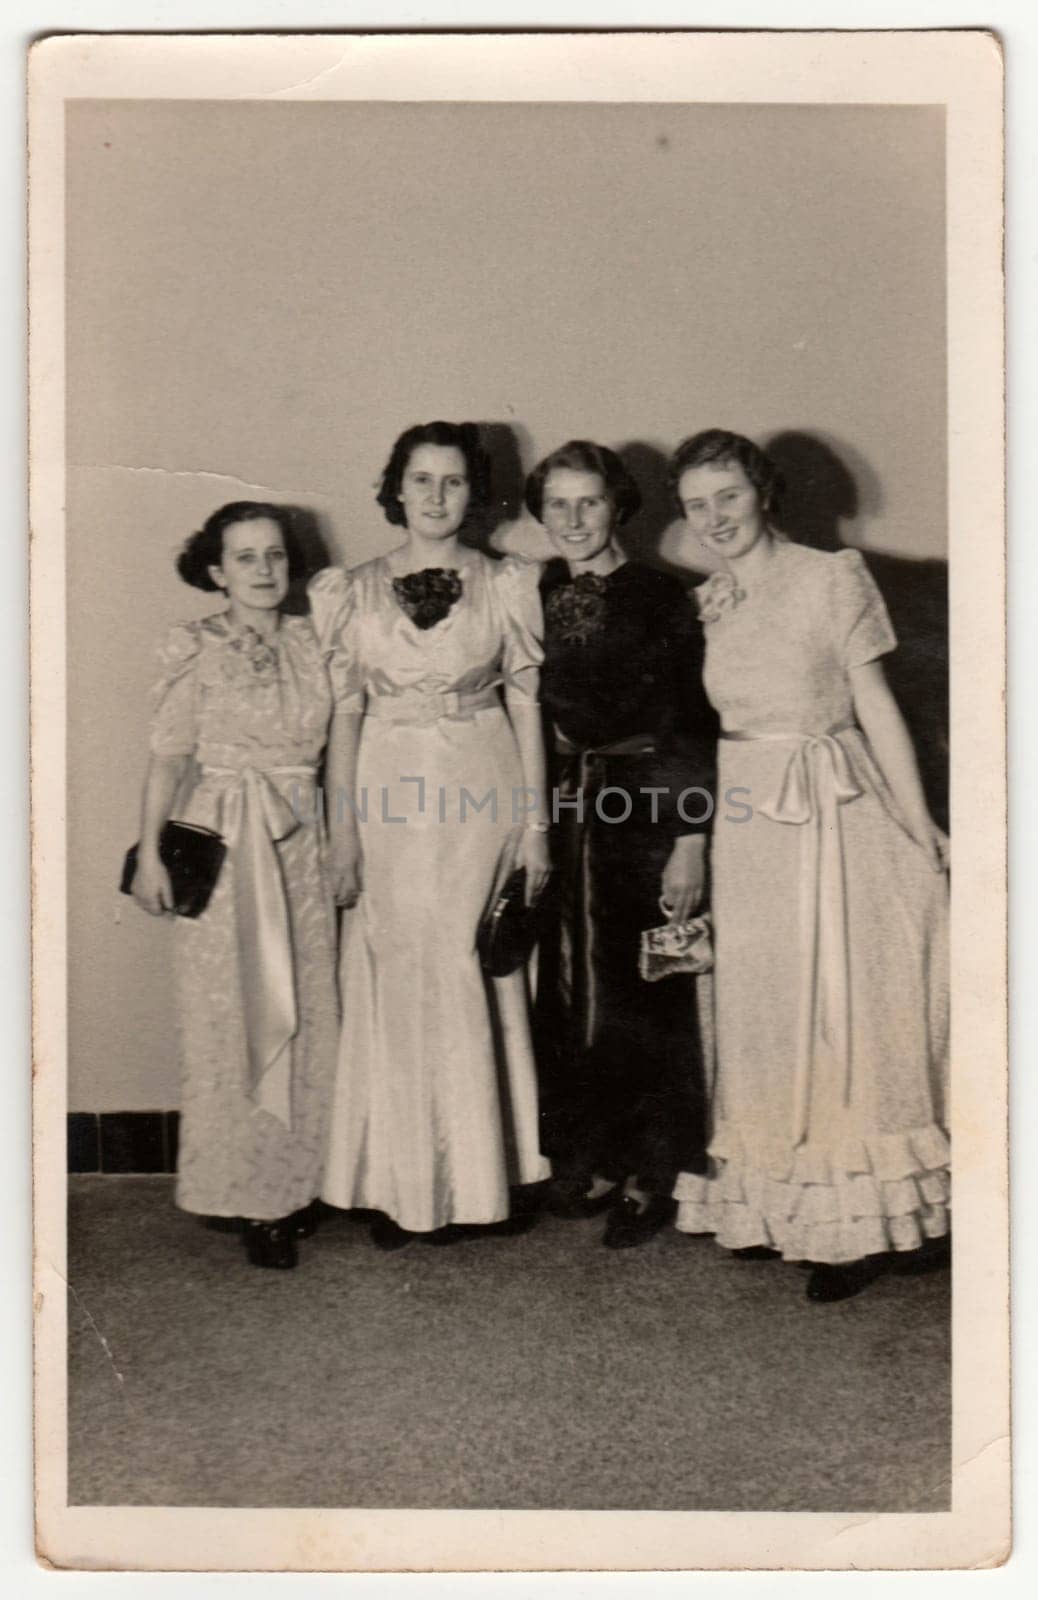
<point x="676" y="947"/>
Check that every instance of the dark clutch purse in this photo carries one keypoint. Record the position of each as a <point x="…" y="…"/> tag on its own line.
<point x="510" y="928"/>
<point x="192" y="856"/>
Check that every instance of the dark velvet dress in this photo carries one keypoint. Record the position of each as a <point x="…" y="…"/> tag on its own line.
<point x="620" y="1060"/>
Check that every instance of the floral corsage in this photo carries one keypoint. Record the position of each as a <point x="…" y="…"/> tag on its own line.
<point x="576" y="611"/>
<point x="427" y="596"/>
<point x="250" y="657"/>
<point x="720" y="593"/>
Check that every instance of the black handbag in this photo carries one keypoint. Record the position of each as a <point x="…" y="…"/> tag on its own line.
<point x="510" y="928"/>
<point x="192" y="856"/>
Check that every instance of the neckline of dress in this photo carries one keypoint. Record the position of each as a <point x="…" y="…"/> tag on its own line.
<point x="461" y="569"/>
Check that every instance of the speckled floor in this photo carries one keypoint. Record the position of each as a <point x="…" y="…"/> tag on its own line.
<point x="537" y="1371"/>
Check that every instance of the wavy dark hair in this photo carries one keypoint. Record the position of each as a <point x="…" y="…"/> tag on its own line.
<point x="716" y="447"/>
<point x="463" y="436"/>
<point x="583" y="455"/>
<point x="204" y="549"/>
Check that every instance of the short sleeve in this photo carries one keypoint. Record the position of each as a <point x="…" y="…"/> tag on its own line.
<point x="517" y="583"/>
<point x="332" y="607"/>
<point x="865" y="629"/>
<point x="174" y="699"/>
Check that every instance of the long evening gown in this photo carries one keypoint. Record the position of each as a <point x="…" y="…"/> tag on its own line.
<point x="255" y="973"/>
<point x="829" y="1139"/>
<point x="622" y="1072"/>
<point x="435" y="1106"/>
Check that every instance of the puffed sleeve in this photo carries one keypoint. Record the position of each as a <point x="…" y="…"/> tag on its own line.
<point x="332" y="607"/>
<point x="859" y="613"/>
<point x="520" y="601"/>
<point x="174" y="698"/>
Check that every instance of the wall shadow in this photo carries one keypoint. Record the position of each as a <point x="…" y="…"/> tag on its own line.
<point x="308" y="528"/>
<point x="504" y="443"/>
<point x="827" y="486"/>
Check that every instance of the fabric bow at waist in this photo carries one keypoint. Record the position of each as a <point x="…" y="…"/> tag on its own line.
<point x="818" y="778"/>
<point x="421" y="707"/>
<point x="253" y="816"/>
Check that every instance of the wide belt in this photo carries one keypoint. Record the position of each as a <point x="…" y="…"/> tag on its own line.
<point x="419" y="707"/>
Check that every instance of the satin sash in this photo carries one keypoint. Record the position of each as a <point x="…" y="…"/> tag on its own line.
<point x="583" y="771"/>
<point x="253" y="817"/>
<point x="817" y="780"/>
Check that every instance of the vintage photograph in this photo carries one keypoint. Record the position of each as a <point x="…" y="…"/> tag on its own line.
<point x="510" y="547"/>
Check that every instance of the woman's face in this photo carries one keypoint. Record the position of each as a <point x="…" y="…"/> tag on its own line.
<point x="722" y="506"/>
<point x="577" y="512"/>
<point x="435" y="490"/>
<point x="254" y="568"/>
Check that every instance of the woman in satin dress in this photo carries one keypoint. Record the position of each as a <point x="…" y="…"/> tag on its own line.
<point x="242" y="705"/>
<point x="435" y="784"/>
<point x="830" y="905"/>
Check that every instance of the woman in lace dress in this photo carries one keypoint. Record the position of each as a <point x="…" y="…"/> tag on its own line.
<point x="435" y="779"/>
<point x="633" y="742"/>
<point x="830" y="906"/>
<point x="243" y="703"/>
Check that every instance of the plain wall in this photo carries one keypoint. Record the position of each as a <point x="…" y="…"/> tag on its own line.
<point x="261" y="296"/>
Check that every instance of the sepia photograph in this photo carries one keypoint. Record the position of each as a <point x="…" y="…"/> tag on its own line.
<point x="517" y="669"/>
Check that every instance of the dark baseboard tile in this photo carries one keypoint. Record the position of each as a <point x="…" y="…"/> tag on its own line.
<point x="123" y="1141"/>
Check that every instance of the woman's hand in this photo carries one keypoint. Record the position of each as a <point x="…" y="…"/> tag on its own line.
<point x="345" y="864"/>
<point x="684" y="877"/>
<point x="534" y="855"/>
<point x="151" y="885"/>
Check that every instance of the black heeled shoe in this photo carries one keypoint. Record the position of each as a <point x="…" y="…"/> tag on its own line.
<point x="271" y="1244"/>
<point x="630" y="1224"/>
<point x="932" y="1256"/>
<point x="305" y="1222"/>
<point x="224" y="1224"/>
<point x="756" y="1252"/>
<point x="829" y="1283"/>
<point x="388" y="1235"/>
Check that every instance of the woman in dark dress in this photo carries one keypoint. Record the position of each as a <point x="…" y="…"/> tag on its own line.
<point x="632" y="740"/>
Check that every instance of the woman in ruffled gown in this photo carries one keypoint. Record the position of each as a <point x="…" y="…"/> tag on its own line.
<point x="435" y="780"/>
<point x="243" y="705"/>
<point x="830" y="905"/>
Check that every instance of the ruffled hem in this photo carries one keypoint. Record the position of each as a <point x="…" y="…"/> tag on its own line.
<point x="827" y="1204"/>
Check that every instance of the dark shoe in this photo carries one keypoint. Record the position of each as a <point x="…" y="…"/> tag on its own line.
<point x="387" y="1235"/>
<point x="933" y="1256"/>
<point x="756" y="1252"/>
<point x="568" y="1197"/>
<point x="271" y="1244"/>
<point x="224" y="1224"/>
<point x="631" y="1224"/>
<point x="305" y="1222"/>
<point x="829" y="1283"/>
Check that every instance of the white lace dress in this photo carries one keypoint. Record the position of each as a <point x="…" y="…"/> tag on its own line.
<point x="829" y="1122"/>
<point x="255" y="973"/>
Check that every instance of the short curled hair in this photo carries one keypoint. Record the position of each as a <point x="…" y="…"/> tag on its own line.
<point x="715" y="447"/>
<point x="582" y="455"/>
<point x="463" y="436"/>
<point x="204" y="549"/>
